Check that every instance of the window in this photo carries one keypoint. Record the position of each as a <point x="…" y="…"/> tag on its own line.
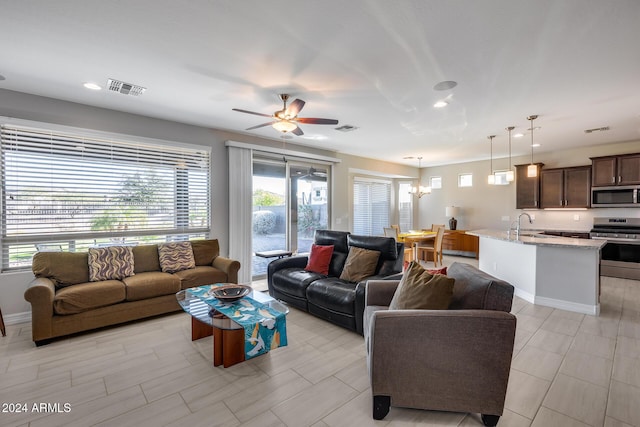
<point x="65" y="191"/>
<point x="435" y="182"/>
<point x="371" y="201"/>
<point x="465" y="180"/>
<point x="405" y="206"/>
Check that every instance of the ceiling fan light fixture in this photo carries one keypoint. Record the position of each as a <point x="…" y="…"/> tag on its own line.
<point x="284" y="126"/>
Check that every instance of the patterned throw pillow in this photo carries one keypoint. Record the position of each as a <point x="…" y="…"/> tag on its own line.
<point x="110" y="263"/>
<point x="176" y="256"/>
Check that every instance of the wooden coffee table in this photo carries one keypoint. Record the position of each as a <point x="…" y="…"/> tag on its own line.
<point x="228" y="336"/>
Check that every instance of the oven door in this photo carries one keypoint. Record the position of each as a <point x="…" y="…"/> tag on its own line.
<point x="621" y="259"/>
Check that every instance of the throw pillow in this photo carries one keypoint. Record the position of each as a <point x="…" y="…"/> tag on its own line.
<point x="319" y="259"/>
<point x="360" y="264"/>
<point x="110" y="263"/>
<point x="420" y="290"/>
<point x="441" y="270"/>
<point x="176" y="256"/>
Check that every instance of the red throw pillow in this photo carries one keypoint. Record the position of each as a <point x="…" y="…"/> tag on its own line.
<point x="441" y="270"/>
<point x="319" y="259"/>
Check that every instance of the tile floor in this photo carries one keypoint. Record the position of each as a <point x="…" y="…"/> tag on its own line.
<point x="568" y="370"/>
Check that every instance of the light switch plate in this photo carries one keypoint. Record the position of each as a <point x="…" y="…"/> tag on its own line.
<point x="576" y="217"/>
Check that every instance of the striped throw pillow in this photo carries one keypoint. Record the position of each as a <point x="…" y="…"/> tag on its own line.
<point x="176" y="256"/>
<point x="110" y="263"/>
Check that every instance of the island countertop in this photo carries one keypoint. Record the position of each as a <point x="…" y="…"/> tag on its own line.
<point x="531" y="237"/>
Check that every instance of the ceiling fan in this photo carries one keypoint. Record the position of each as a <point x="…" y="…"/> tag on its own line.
<point x="286" y="120"/>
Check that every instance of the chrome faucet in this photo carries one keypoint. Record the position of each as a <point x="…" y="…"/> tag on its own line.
<point x="519" y="217"/>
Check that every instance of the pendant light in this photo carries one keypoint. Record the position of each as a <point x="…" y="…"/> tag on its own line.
<point x="419" y="191"/>
<point x="491" y="179"/>
<point x="532" y="170"/>
<point x="510" y="173"/>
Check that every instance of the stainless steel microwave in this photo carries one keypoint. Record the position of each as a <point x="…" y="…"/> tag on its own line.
<point x="621" y="196"/>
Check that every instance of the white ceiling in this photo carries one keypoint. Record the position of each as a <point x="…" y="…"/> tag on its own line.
<point x="369" y="64"/>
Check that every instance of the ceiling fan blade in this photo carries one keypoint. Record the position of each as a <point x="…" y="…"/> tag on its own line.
<point x="315" y="121"/>
<point x="262" y="125"/>
<point x="294" y="108"/>
<point x="251" y="112"/>
<point x="297" y="131"/>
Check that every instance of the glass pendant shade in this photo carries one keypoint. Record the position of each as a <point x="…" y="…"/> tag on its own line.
<point x="511" y="176"/>
<point x="532" y="171"/>
<point x="491" y="178"/>
<point x="284" y="126"/>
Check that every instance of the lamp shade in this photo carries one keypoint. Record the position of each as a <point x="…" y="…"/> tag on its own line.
<point x="451" y="211"/>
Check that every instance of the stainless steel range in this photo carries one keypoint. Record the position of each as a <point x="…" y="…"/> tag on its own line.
<point x="621" y="255"/>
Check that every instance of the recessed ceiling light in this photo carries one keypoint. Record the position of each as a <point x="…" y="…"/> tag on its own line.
<point x="445" y="85"/>
<point x="518" y="135"/>
<point x="92" y="86"/>
<point x="535" y="145"/>
<point x="440" y="104"/>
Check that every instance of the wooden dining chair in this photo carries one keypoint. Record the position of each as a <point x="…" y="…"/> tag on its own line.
<point x="434" y="227"/>
<point x="396" y="227"/>
<point x="390" y="232"/>
<point x="393" y="232"/>
<point x="436" y="249"/>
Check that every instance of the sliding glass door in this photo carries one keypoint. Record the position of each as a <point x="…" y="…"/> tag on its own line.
<point x="290" y="202"/>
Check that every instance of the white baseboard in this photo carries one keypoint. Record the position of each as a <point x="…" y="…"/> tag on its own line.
<point x="14" y="319"/>
<point x="593" y="310"/>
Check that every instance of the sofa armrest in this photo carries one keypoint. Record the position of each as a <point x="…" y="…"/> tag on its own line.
<point x="299" y="261"/>
<point x="420" y="356"/>
<point x="380" y="292"/>
<point x="229" y="266"/>
<point x="40" y="293"/>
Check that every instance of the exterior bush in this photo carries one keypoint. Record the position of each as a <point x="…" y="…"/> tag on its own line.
<point x="263" y="222"/>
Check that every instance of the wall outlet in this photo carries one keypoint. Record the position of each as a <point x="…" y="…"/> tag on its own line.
<point x="576" y="217"/>
<point x="505" y="217"/>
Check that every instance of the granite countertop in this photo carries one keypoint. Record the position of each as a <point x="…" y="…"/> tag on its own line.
<point x="532" y="237"/>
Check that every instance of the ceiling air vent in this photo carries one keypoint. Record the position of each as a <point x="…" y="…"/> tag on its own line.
<point x="602" y="129"/>
<point x="346" y="128"/>
<point x="125" y="88"/>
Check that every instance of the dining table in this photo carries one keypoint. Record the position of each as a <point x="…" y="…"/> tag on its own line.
<point x="415" y="237"/>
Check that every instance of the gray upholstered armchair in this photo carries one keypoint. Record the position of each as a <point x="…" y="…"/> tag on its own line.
<point x="447" y="360"/>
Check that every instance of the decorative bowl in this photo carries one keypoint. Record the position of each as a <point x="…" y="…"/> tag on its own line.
<point x="230" y="292"/>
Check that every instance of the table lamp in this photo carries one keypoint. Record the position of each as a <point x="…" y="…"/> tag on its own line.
<point x="452" y="211"/>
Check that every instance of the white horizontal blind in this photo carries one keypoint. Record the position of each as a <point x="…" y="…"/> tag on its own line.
<point x="371" y="201"/>
<point x="67" y="192"/>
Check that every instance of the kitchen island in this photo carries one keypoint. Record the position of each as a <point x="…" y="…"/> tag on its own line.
<point x="559" y="272"/>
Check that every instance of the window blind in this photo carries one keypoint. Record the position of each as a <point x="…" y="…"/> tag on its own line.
<point x="62" y="191"/>
<point x="371" y="201"/>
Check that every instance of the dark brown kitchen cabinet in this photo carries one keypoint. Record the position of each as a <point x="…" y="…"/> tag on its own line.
<point x="566" y="187"/>
<point x="527" y="188"/>
<point x="616" y="170"/>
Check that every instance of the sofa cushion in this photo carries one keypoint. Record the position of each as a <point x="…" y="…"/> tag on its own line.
<point x="200" y="275"/>
<point x="175" y="256"/>
<point x="205" y="251"/>
<point x="63" y="268"/>
<point x="360" y="264"/>
<point x="294" y="281"/>
<point x="387" y="247"/>
<point x="333" y="294"/>
<point x="150" y="284"/>
<point x="110" y="263"/>
<point x="86" y="296"/>
<point x="145" y="258"/>
<point x="419" y="289"/>
<point x="319" y="258"/>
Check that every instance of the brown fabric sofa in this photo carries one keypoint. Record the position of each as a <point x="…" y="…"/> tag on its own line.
<point x="64" y="301"/>
<point x="447" y="360"/>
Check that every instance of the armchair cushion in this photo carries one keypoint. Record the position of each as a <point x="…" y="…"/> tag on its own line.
<point x="360" y="263"/>
<point x="418" y="289"/>
<point x="319" y="259"/>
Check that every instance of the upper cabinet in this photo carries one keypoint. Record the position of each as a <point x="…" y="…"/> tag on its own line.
<point x="616" y="170"/>
<point x="527" y="189"/>
<point x="566" y="187"/>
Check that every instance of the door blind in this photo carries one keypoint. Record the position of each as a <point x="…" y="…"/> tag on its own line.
<point x="371" y="201"/>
